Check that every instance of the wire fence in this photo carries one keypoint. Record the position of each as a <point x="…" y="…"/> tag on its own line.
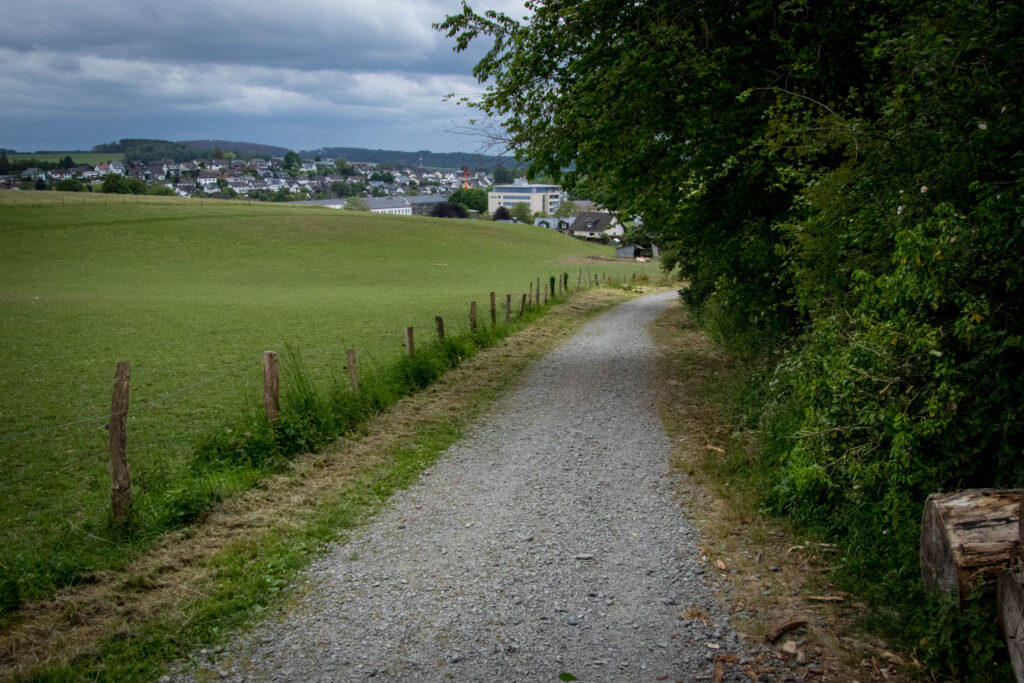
<point x="151" y="403"/>
<point x="147" y="437"/>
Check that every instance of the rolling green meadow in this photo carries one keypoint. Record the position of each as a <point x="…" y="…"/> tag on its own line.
<point x="192" y="292"/>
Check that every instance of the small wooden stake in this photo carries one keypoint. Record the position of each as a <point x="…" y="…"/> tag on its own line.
<point x="531" y="292"/>
<point x="472" y="316"/>
<point x="271" y="386"/>
<point x="579" y="280"/>
<point x="494" y="311"/>
<point x="353" y="375"/>
<point x="522" y="307"/>
<point x="410" y="346"/>
<point x="508" y="308"/>
<point x="120" y="479"/>
<point x="439" y="321"/>
<point x="538" y="291"/>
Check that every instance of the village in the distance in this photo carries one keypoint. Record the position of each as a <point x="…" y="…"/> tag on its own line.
<point x="391" y="188"/>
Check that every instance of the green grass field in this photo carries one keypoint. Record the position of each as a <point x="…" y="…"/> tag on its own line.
<point x="91" y="158"/>
<point x="192" y="293"/>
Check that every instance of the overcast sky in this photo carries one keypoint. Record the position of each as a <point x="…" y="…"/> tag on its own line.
<point x="302" y="75"/>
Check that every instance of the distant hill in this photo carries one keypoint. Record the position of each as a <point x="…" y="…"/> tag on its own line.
<point x="144" y="149"/>
<point x="424" y="158"/>
<point x="239" y="148"/>
<point x="151" y="150"/>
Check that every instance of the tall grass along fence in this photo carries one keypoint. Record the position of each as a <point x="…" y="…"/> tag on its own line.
<point x="298" y="413"/>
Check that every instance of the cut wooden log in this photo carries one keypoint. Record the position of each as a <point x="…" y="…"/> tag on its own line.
<point x="1018" y="557"/>
<point x="1010" y="605"/>
<point x="968" y="536"/>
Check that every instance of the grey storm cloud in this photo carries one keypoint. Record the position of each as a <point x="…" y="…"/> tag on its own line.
<point x="279" y="67"/>
<point x="304" y="35"/>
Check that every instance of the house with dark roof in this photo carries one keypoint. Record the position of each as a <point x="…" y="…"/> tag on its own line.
<point x="393" y="205"/>
<point x="552" y="223"/>
<point x="423" y="204"/>
<point x="592" y="225"/>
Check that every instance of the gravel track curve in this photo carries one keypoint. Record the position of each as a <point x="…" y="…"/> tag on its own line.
<point x="547" y="541"/>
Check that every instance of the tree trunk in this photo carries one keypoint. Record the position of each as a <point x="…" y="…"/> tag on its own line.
<point x="968" y="536"/>
<point x="1010" y="598"/>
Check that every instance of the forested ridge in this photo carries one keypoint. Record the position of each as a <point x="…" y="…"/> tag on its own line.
<point x="840" y="184"/>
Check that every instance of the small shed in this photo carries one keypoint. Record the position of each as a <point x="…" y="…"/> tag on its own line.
<point x="637" y="250"/>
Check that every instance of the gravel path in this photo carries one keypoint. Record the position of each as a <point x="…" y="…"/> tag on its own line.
<point x="547" y="541"/>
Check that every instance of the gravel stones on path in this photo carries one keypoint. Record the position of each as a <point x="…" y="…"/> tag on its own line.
<point x="547" y="541"/>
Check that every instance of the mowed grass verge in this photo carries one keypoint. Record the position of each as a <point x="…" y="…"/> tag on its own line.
<point x="192" y="293"/>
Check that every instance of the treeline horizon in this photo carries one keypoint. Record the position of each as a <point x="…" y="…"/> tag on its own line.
<point x="141" y="149"/>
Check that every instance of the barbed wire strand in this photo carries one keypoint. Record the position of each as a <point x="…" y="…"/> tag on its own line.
<point x="160" y="398"/>
<point x="147" y="404"/>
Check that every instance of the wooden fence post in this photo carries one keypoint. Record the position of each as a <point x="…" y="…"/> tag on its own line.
<point x="508" y="308"/>
<point x="410" y="346"/>
<point x="439" y="322"/>
<point x="531" y="292"/>
<point x="271" y="386"/>
<point x="353" y="375"/>
<point x="494" y="311"/>
<point x="120" y="479"/>
<point x="538" y="291"/>
<point x="472" y="316"/>
<point x="579" y="280"/>
<point x="522" y="306"/>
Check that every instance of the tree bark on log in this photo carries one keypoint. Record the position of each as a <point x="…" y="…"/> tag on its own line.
<point x="1010" y="600"/>
<point x="1018" y="556"/>
<point x="968" y="536"/>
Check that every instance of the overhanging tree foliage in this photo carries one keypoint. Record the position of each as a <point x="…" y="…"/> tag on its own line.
<point x="449" y="210"/>
<point x="356" y="204"/>
<point x="840" y="183"/>
<point x="117" y="184"/>
<point x="521" y="212"/>
<point x="473" y="198"/>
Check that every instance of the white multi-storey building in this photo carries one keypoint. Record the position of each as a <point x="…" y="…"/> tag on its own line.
<point x="543" y="199"/>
